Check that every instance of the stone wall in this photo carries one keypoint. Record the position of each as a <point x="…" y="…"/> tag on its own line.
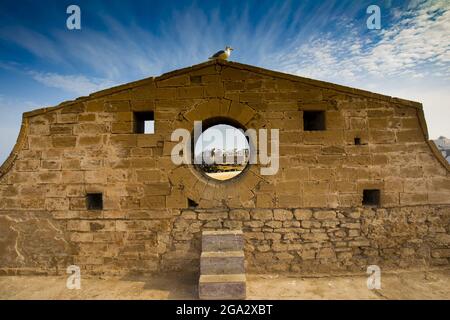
<point x="277" y="240"/>
<point x="324" y="240"/>
<point x="88" y="145"/>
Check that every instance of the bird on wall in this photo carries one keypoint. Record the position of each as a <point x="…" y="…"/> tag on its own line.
<point x="222" y="54"/>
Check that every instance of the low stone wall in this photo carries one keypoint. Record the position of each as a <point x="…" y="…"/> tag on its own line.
<point x="277" y="240"/>
<point x="314" y="240"/>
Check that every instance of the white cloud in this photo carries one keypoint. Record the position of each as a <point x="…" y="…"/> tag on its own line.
<point x="77" y="84"/>
<point x="32" y="41"/>
<point x="415" y="45"/>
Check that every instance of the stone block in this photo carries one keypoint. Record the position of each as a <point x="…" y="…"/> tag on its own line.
<point x="176" y="81"/>
<point x="239" y="214"/>
<point x="289" y="201"/>
<point x="222" y="262"/>
<point x="282" y="215"/>
<point x="325" y="215"/>
<point x="232" y="240"/>
<point x="73" y="108"/>
<point x="89" y="128"/>
<point x="64" y="142"/>
<point x="151" y="202"/>
<point x="94" y="105"/>
<point x="124" y="140"/>
<point x="440" y="253"/>
<point x="261" y="214"/>
<point x="302" y="214"/>
<point x="166" y="93"/>
<point x="90" y="117"/>
<point x="89" y="141"/>
<point x="61" y="129"/>
<point x="222" y="287"/>
<point x="122" y="127"/>
<point x="118" y="106"/>
<point x="190" y="92"/>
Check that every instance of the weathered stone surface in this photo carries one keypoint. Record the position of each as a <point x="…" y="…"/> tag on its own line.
<point x="261" y="214"/>
<point x="154" y="211"/>
<point x="325" y="215"/>
<point x="222" y="287"/>
<point x="302" y="214"/>
<point x="222" y="262"/>
<point x="222" y="240"/>
<point x="280" y="214"/>
<point x="239" y="214"/>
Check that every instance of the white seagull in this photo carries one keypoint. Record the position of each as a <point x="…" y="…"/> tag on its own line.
<point x="222" y="54"/>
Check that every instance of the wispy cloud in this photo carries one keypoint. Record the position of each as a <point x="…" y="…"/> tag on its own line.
<point x="77" y="84"/>
<point x="414" y="46"/>
<point x="36" y="43"/>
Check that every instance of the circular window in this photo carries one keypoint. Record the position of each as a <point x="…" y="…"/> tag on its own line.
<point x="221" y="151"/>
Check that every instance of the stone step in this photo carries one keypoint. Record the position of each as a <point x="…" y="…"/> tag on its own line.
<point x="222" y="262"/>
<point x="221" y="287"/>
<point x="224" y="240"/>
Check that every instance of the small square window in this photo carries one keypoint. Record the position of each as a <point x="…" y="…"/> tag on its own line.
<point x="313" y="120"/>
<point x="196" y="79"/>
<point x="144" y="122"/>
<point x="371" y="197"/>
<point x="94" y="201"/>
<point x="357" y="141"/>
<point x="192" y="203"/>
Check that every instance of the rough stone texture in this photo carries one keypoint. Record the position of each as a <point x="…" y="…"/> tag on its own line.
<point x="231" y="262"/>
<point x="222" y="265"/>
<point x="222" y="240"/>
<point x="222" y="287"/>
<point x="308" y="216"/>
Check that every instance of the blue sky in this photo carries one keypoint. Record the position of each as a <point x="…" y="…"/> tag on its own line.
<point x="43" y="63"/>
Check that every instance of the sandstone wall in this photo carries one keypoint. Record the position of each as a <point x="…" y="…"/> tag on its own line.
<point x="88" y="145"/>
<point x="318" y="240"/>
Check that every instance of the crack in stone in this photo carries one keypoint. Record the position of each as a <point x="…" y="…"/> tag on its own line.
<point x="16" y="248"/>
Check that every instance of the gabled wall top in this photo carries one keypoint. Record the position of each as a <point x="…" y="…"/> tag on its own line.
<point x="227" y="64"/>
<point x="241" y="66"/>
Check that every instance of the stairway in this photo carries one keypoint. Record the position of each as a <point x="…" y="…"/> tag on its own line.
<point x="222" y="271"/>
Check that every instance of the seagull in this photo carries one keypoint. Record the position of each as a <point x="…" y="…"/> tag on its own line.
<point x="222" y="54"/>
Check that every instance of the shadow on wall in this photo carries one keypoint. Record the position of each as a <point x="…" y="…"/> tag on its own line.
<point x="173" y="285"/>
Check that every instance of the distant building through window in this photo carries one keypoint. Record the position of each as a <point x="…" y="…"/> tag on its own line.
<point x="222" y="152"/>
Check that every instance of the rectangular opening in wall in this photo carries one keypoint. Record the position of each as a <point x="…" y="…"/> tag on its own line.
<point x="371" y="197"/>
<point x="192" y="203"/>
<point x="144" y="122"/>
<point x="94" y="201"/>
<point x="313" y="120"/>
<point x="357" y="141"/>
<point x="196" y="79"/>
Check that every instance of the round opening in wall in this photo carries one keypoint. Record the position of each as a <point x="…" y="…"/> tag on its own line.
<point x="221" y="151"/>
